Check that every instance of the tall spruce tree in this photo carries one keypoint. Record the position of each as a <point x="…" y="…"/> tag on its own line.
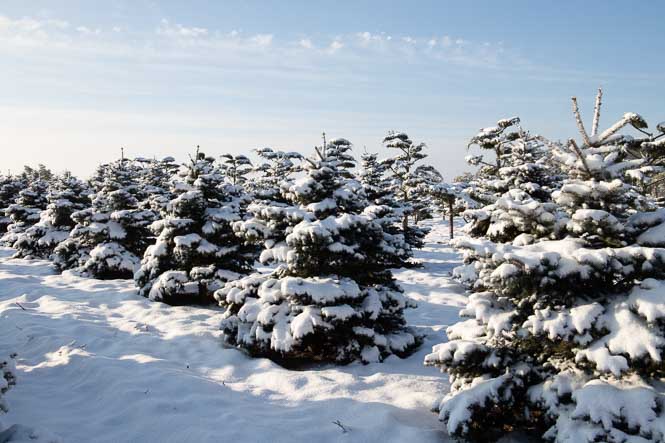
<point x="235" y="168"/>
<point x="372" y="177"/>
<point x="154" y="182"/>
<point x="275" y="168"/>
<point x="516" y="192"/>
<point x="405" y="181"/>
<point x="111" y="235"/>
<point x="25" y="212"/>
<point x="332" y="296"/>
<point x="197" y="250"/>
<point x="10" y="186"/>
<point x="66" y="195"/>
<point x="565" y="338"/>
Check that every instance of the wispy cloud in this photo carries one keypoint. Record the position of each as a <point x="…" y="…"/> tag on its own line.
<point x="169" y="38"/>
<point x="177" y="30"/>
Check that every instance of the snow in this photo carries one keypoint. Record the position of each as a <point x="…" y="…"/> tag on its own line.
<point x="99" y="363"/>
<point x="320" y="290"/>
<point x="457" y="410"/>
<point x="604" y="402"/>
<point x="653" y="236"/>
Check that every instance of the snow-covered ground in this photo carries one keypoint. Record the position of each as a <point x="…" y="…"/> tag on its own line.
<point x="99" y="363"/>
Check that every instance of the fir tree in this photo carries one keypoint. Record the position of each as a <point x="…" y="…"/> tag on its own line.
<point x="332" y="296"/>
<point x="565" y="338"/>
<point x="235" y="168"/>
<point x="517" y="190"/>
<point x="404" y="179"/>
<point x="25" y="212"/>
<point x="66" y="196"/>
<point x="197" y="250"/>
<point x="10" y="186"/>
<point x="276" y="167"/>
<point x="111" y="235"/>
<point x="424" y="182"/>
<point x="372" y="177"/>
<point x="154" y="182"/>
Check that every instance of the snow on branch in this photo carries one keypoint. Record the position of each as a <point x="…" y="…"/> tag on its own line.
<point x="596" y="112"/>
<point x="580" y="124"/>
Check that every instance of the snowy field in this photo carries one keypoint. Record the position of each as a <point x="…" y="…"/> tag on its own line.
<point x="99" y="363"/>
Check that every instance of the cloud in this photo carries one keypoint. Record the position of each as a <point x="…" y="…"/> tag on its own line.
<point x="178" y="30"/>
<point x="335" y="46"/>
<point x="171" y="40"/>
<point x="26" y="31"/>
<point x="86" y="30"/>
<point x="262" y="39"/>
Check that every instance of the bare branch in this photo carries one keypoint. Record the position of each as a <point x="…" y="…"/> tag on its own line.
<point x="580" y="125"/>
<point x="339" y="423"/>
<point x="596" y="112"/>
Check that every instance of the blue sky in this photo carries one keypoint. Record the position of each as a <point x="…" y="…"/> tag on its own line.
<point x="79" y="79"/>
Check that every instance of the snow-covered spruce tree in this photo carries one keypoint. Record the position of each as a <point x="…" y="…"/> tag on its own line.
<point x="197" y="250"/>
<point x="565" y="339"/>
<point x="235" y="168"/>
<point x="372" y="177"/>
<point x="517" y="191"/>
<point x="426" y="179"/>
<point x="452" y="200"/>
<point x="275" y="168"/>
<point x="520" y="161"/>
<point x="332" y="297"/>
<point x="10" y="186"/>
<point x="404" y="180"/>
<point x="154" y="182"/>
<point x="111" y="235"/>
<point x="379" y="192"/>
<point x="31" y="201"/>
<point x="66" y="195"/>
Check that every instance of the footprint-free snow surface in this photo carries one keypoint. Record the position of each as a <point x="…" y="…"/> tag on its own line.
<point x="99" y="363"/>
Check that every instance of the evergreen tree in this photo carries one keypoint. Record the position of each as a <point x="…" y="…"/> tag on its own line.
<point x="565" y="338"/>
<point x="24" y="213"/>
<point x="276" y="168"/>
<point x="498" y="140"/>
<point x="424" y="182"/>
<point x="111" y="235"/>
<point x="332" y="296"/>
<point x="197" y="250"/>
<point x="10" y="186"/>
<point x="516" y="192"/>
<point x="66" y="196"/>
<point x="235" y="168"/>
<point x="452" y="200"/>
<point x="154" y="182"/>
<point x="372" y="177"/>
<point x="405" y="180"/>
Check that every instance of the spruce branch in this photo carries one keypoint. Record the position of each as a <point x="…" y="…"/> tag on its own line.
<point x="578" y="151"/>
<point x="318" y="151"/>
<point x="580" y="124"/>
<point x="628" y="118"/>
<point x="596" y="112"/>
